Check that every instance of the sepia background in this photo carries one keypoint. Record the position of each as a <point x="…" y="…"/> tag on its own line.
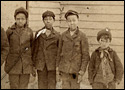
<point x="94" y="16"/>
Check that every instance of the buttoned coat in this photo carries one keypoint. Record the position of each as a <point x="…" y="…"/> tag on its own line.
<point x="73" y="53"/>
<point x="45" y="50"/>
<point x="115" y="64"/>
<point x="19" y="60"/>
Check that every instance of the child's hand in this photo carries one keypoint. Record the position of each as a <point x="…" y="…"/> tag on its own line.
<point x="81" y="73"/>
<point x="79" y="78"/>
<point x="34" y="72"/>
<point x="117" y="82"/>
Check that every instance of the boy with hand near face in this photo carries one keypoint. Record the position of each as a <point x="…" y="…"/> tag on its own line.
<point x="73" y="53"/>
<point x="45" y="52"/>
<point x="105" y="68"/>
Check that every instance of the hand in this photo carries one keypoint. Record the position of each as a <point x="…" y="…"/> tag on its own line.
<point x="79" y="78"/>
<point x="34" y="72"/>
<point x="117" y="82"/>
<point x="81" y="73"/>
<point x="58" y="73"/>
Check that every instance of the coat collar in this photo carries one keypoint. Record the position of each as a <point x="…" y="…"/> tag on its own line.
<point x="74" y="35"/>
<point x="14" y="26"/>
<point x="108" y="49"/>
<point x="52" y="35"/>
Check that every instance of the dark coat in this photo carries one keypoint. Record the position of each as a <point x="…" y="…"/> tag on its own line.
<point x="115" y="64"/>
<point x="4" y="46"/>
<point x="45" y="50"/>
<point x="73" y="53"/>
<point x="19" y="60"/>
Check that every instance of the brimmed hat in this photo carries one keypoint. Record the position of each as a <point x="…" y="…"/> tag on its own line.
<point x="48" y="13"/>
<point x="71" y="12"/>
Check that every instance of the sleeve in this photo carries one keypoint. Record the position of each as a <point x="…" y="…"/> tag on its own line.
<point x="4" y="46"/>
<point x="118" y="67"/>
<point x="34" y="48"/>
<point x="59" y="51"/>
<point x="85" y="53"/>
<point x="91" y="68"/>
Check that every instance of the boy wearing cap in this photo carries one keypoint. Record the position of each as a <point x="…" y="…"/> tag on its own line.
<point x="19" y="63"/>
<point x="4" y="46"/>
<point x="73" y="53"/>
<point x="45" y="52"/>
<point x="105" y="68"/>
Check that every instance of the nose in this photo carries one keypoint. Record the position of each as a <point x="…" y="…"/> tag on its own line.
<point x="48" y="21"/>
<point x="20" y="20"/>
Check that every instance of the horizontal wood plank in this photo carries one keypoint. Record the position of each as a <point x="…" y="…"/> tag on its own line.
<point x="42" y="10"/>
<point x="95" y="9"/>
<point x="43" y="4"/>
<point x="93" y="3"/>
<point x="110" y="25"/>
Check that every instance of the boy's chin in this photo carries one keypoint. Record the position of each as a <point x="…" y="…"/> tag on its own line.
<point x="104" y="47"/>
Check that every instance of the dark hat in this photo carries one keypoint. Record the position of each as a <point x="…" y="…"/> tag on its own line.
<point x="48" y="13"/>
<point x="104" y="32"/>
<point x="21" y="10"/>
<point x="71" y="12"/>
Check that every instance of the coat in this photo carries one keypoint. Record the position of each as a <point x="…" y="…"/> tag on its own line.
<point x="73" y="53"/>
<point x="115" y="64"/>
<point x="4" y="46"/>
<point x="19" y="60"/>
<point x="45" y="50"/>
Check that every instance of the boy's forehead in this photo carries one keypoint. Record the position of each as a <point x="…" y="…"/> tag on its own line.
<point x="20" y="15"/>
<point x="72" y="16"/>
<point x="48" y="17"/>
<point x="104" y="36"/>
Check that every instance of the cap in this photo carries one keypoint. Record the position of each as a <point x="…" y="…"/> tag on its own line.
<point x="21" y="10"/>
<point x="105" y="31"/>
<point x="48" y="13"/>
<point x="71" y="12"/>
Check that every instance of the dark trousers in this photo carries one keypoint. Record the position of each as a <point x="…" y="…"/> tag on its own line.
<point x="69" y="81"/>
<point x="46" y="79"/>
<point x="98" y="85"/>
<point x="19" y="81"/>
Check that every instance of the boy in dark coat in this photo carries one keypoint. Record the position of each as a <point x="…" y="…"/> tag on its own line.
<point x="105" y="68"/>
<point x="45" y="52"/>
<point x="19" y="63"/>
<point x="73" y="53"/>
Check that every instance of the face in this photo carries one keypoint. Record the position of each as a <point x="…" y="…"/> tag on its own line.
<point x="48" y="21"/>
<point x="20" y="19"/>
<point x="104" y="42"/>
<point x="72" y="21"/>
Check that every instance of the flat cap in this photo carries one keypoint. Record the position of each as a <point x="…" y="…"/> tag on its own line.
<point x="48" y="13"/>
<point x="105" y="31"/>
<point x="71" y="12"/>
<point x="21" y="10"/>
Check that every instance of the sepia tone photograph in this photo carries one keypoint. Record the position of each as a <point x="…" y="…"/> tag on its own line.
<point x="62" y="44"/>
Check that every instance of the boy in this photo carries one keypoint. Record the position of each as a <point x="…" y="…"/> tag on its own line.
<point x="45" y="52"/>
<point x="73" y="53"/>
<point x="4" y="46"/>
<point x="19" y="61"/>
<point x="105" y="68"/>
